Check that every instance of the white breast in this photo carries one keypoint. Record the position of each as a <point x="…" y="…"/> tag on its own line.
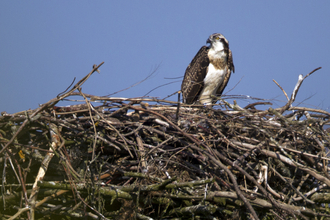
<point x="214" y="78"/>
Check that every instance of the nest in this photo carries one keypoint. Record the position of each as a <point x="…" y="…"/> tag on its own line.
<point x="145" y="158"/>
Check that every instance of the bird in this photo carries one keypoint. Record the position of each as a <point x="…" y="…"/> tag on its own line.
<point x="208" y="73"/>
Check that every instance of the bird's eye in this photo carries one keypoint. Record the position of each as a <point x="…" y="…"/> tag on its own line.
<point x="217" y="38"/>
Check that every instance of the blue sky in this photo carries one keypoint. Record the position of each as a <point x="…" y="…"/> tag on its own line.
<point x="45" y="44"/>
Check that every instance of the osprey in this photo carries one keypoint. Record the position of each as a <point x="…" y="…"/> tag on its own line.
<point x="209" y="72"/>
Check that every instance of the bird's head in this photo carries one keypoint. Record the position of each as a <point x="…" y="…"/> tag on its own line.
<point x="218" y="42"/>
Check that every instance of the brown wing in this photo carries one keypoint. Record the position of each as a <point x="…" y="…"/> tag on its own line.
<point x="230" y="68"/>
<point x="193" y="80"/>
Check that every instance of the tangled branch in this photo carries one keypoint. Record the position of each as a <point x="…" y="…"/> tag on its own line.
<point x="149" y="158"/>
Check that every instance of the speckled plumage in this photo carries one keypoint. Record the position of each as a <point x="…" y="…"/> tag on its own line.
<point x="209" y="71"/>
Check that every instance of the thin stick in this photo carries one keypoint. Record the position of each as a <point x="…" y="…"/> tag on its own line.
<point x="286" y="95"/>
<point x="91" y="117"/>
<point x="178" y="107"/>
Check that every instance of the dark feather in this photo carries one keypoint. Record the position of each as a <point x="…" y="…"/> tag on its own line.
<point x="230" y="65"/>
<point x="193" y="80"/>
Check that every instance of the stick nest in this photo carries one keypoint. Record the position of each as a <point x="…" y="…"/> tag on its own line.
<point x="147" y="158"/>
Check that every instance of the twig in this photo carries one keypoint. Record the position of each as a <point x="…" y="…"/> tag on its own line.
<point x="93" y="123"/>
<point x="286" y="95"/>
